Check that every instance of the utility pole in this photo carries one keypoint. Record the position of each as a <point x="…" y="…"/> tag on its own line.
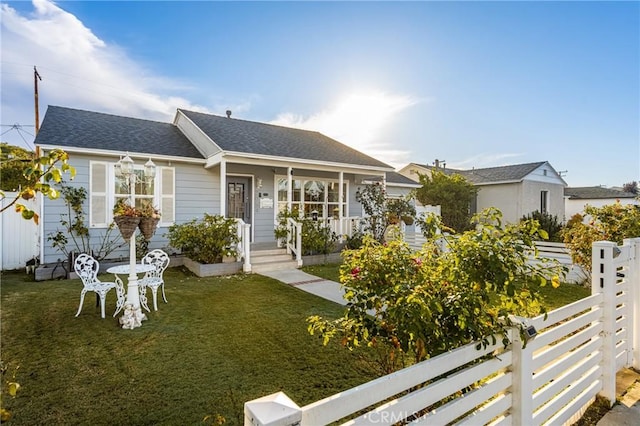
<point x="36" y="77"/>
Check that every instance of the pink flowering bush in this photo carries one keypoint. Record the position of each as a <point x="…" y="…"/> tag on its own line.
<point x="423" y="303"/>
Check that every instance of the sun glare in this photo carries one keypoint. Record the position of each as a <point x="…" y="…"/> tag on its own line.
<point x="356" y="119"/>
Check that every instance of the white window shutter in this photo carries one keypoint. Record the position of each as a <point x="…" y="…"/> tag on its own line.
<point x="98" y="194"/>
<point x="167" y="195"/>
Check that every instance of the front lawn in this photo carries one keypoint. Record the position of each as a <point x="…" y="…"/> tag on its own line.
<point x="218" y="343"/>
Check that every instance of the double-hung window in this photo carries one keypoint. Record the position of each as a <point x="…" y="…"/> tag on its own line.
<point x="105" y="188"/>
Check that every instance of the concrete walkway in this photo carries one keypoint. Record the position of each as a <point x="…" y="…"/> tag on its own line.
<point x="626" y="412"/>
<point x="326" y="289"/>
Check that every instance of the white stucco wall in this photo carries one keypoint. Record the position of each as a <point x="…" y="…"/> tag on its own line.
<point x="573" y="207"/>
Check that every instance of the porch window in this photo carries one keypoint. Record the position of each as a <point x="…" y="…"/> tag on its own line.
<point x="310" y="195"/>
<point x="105" y="188"/>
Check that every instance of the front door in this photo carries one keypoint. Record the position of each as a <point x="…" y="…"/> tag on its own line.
<point x="239" y="198"/>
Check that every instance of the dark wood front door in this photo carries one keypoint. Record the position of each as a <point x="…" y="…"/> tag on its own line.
<point x="239" y="198"/>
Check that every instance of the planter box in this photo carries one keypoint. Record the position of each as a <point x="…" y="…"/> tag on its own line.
<point x="212" y="269"/>
<point x="321" y="259"/>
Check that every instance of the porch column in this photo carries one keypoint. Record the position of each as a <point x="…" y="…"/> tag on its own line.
<point x="341" y="203"/>
<point x="289" y="188"/>
<point x="223" y="188"/>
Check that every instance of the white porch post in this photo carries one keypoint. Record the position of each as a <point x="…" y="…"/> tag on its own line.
<point x="341" y="203"/>
<point x="223" y="188"/>
<point x="289" y="188"/>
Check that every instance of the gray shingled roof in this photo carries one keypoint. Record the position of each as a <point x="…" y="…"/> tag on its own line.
<point x="515" y="172"/>
<point x="67" y="127"/>
<point x="250" y="137"/>
<point x="510" y="173"/>
<point x="397" y="179"/>
<point x="596" y="192"/>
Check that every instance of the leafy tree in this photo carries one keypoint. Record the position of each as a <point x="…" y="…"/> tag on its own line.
<point x="549" y="223"/>
<point x="381" y="211"/>
<point x="453" y="193"/>
<point x="423" y="303"/>
<point x="13" y="161"/>
<point x="631" y="187"/>
<point x="613" y="222"/>
<point x="40" y="173"/>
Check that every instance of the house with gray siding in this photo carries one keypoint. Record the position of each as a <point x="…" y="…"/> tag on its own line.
<point x="516" y="190"/>
<point x="206" y="164"/>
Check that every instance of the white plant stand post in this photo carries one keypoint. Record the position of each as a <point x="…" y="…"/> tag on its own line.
<point x="133" y="315"/>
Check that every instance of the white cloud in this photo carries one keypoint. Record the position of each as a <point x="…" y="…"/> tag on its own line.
<point x="78" y="69"/>
<point x="485" y="160"/>
<point x="360" y="121"/>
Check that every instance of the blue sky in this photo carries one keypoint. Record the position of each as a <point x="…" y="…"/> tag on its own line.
<point x="477" y="84"/>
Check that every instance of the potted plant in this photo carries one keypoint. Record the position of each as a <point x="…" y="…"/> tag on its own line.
<point x="126" y="217"/>
<point x="149" y="218"/>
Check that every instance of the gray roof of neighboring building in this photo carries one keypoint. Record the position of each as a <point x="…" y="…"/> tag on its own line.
<point x="509" y="173"/>
<point x="395" y="178"/>
<point x="68" y="127"/>
<point x="250" y="137"/>
<point x="596" y="192"/>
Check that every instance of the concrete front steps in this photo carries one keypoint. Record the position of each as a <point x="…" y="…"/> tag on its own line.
<point x="271" y="259"/>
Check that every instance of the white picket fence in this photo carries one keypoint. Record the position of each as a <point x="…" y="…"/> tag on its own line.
<point x="551" y="380"/>
<point x="19" y="236"/>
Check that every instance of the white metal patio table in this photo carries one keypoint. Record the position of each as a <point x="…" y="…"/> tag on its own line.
<point x="132" y="317"/>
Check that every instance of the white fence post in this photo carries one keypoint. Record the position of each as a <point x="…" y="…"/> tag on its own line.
<point x="272" y="410"/>
<point x="603" y="280"/>
<point x="522" y="389"/>
<point x="633" y="277"/>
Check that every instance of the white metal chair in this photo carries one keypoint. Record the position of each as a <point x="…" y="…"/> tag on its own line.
<point x="154" y="278"/>
<point x="87" y="269"/>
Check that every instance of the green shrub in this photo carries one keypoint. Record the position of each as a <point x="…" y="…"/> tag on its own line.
<point x="549" y="223"/>
<point x="316" y="237"/>
<point x="614" y="222"/>
<point x="206" y="240"/>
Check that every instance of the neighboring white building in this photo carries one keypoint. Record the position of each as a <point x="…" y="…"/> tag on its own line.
<point x="575" y="199"/>
<point x="517" y="190"/>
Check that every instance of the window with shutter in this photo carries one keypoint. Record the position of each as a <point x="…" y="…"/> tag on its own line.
<point x="106" y="189"/>
<point x="99" y="215"/>
<point x="167" y="195"/>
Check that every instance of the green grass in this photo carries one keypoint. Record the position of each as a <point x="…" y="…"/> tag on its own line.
<point x="553" y="297"/>
<point x="218" y="343"/>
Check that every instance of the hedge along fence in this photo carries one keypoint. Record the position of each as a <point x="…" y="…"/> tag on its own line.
<point x="574" y="356"/>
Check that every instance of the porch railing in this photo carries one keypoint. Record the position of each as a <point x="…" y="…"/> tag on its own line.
<point x="294" y="239"/>
<point x="345" y="226"/>
<point x="243" y="247"/>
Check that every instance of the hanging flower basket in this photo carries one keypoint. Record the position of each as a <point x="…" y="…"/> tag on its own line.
<point x="127" y="225"/>
<point x="147" y="226"/>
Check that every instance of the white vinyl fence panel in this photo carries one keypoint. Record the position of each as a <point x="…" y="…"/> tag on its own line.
<point x="549" y="381"/>
<point x="19" y="236"/>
